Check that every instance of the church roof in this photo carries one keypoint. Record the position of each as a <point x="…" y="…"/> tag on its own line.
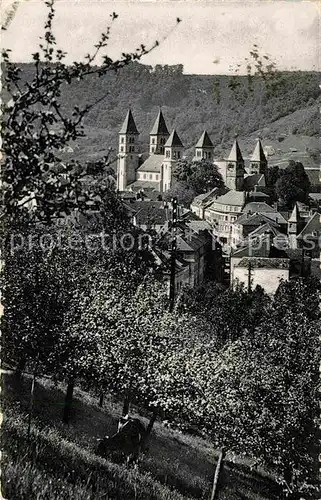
<point x="235" y="154"/>
<point x="258" y="154"/>
<point x="204" y="141"/>
<point x="295" y="216"/>
<point x="173" y="140"/>
<point x="129" y="125"/>
<point x="159" y="127"/>
<point x="152" y="164"/>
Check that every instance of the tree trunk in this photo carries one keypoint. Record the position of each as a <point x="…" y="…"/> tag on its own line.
<point x="126" y="406"/>
<point x="216" y="475"/>
<point x="149" y="429"/>
<point x="31" y="401"/>
<point x="68" y="401"/>
<point x="101" y="399"/>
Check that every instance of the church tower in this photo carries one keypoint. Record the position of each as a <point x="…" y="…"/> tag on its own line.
<point x="204" y="148"/>
<point x="235" y="169"/>
<point x="258" y="163"/>
<point x="294" y="227"/>
<point x="158" y="135"/>
<point x="173" y="152"/>
<point x="128" y="156"/>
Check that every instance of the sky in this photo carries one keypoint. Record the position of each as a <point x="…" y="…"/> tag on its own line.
<point x="213" y="37"/>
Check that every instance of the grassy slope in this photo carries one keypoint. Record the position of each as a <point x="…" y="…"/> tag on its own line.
<point x="177" y="466"/>
<point x="190" y="104"/>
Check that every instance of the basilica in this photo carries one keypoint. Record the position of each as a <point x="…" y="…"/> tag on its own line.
<point x="166" y="148"/>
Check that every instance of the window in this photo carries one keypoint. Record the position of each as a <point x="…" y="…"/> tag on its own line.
<point x="153" y="150"/>
<point x="161" y="150"/>
<point x="209" y="155"/>
<point x="144" y="176"/>
<point x="150" y="177"/>
<point x="153" y="140"/>
<point x="168" y="154"/>
<point x="121" y="148"/>
<point x="174" y="154"/>
<point x="198" y="153"/>
<point x="122" y="140"/>
<point x="157" y="177"/>
<point x="178" y="154"/>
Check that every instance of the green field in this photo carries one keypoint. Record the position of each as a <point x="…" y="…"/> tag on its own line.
<point x="59" y="463"/>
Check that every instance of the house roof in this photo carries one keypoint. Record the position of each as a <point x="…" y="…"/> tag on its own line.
<point x="143" y="185"/>
<point x="255" y="220"/>
<point x="199" y="225"/>
<point x="270" y="227"/>
<point x="261" y="262"/>
<point x="152" y="164"/>
<point x="313" y="224"/>
<point x="205" y="197"/>
<point x="295" y="215"/>
<point x="204" y="141"/>
<point x="159" y="127"/>
<point x="236" y="198"/>
<point x="129" y="125"/>
<point x="258" y="207"/>
<point x="258" y="154"/>
<point x="235" y="154"/>
<point x="173" y="140"/>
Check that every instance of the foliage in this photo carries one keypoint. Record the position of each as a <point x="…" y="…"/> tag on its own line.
<point x="201" y="176"/>
<point x="181" y="190"/>
<point x="36" y="127"/>
<point x="293" y="184"/>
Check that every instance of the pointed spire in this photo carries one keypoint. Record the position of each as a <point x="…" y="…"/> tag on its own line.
<point x="235" y="154"/>
<point x="258" y="154"/>
<point x="173" y="140"/>
<point x="129" y="125"/>
<point x="204" y="141"/>
<point x="159" y="127"/>
<point x="295" y="216"/>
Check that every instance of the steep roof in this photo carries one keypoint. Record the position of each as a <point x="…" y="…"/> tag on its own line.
<point x="295" y="216"/>
<point x="129" y="125"/>
<point x="152" y="164"/>
<point x="173" y="140"/>
<point x="159" y="127"/>
<point x="235" y="154"/>
<point x="204" y="141"/>
<point x="255" y="220"/>
<point x="252" y="180"/>
<point x="313" y="225"/>
<point x="258" y="154"/>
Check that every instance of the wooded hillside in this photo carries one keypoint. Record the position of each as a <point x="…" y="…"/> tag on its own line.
<point x="191" y="103"/>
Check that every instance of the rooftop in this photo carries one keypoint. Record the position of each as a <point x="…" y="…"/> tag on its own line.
<point x="235" y="198"/>
<point x="129" y="125"/>
<point x="258" y="154"/>
<point x="235" y="154"/>
<point x="152" y="164"/>
<point x="204" y="141"/>
<point x="173" y="140"/>
<point x="159" y="127"/>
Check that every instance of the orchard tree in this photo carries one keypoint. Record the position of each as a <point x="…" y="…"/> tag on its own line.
<point x="201" y="176"/>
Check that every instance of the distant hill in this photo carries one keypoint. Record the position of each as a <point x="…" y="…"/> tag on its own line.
<point x="192" y="103"/>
